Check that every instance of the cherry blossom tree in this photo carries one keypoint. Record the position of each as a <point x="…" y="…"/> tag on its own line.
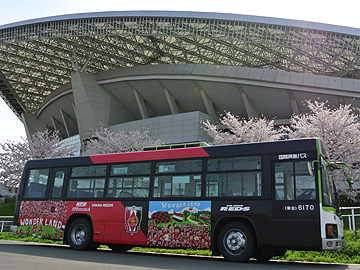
<point x="48" y="144"/>
<point x="238" y="130"/>
<point x="339" y="128"/>
<point x="106" y="142"/>
<point x="14" y="155"/>
<point x="12" y="160"/>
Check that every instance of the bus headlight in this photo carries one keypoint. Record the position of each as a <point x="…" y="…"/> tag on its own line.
<point x="331" y="231"/>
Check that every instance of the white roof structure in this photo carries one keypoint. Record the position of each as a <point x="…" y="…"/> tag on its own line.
<point x="160" y="63"/>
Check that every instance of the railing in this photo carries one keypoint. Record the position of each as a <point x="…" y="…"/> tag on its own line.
<point x="351" y="216"/>
<point x="2" y="221"/>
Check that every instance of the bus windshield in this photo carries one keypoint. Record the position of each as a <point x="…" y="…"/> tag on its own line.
<point x="327" y="185"/>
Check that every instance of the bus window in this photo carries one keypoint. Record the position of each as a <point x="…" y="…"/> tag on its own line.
<point x="177" y="186"/>
<point x="125" y="187"/>
<point x="235" y="163"/>
<point x="58" y="182"/>
<point x="233" y="184"/>
<point x="36" y="183"/>
<point x="180" y="166"/>
<point x="99" y="170"/>
<point x="293" y="181"/>
<point x="130" y="169"/>
<point x="86" y="188"/>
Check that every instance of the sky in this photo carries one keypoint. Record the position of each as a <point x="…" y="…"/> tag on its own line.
<point x="330" y="12"/>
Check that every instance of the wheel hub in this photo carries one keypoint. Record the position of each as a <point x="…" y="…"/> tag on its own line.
<point x="78" y="235"/>
<point x="235" y="241"/>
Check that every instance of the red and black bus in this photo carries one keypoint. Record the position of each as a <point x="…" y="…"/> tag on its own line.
<point x="241" y="201"/>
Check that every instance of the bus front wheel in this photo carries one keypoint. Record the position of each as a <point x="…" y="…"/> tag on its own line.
<point x="79" y="235"/>
<point x="236" y="242"/>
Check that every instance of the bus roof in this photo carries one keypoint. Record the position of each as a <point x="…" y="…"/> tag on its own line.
<point x="284" y="146"/>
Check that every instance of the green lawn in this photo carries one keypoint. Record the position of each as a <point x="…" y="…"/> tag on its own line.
<point x="7" y="209"/>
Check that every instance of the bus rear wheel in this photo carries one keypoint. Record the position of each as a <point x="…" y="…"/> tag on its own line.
<point x="236" y="242"/>
<point x="79" y="235"/>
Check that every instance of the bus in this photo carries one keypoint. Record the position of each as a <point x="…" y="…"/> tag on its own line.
<point x="240" y="201"/>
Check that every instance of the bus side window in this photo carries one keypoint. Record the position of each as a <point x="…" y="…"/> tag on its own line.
<point x="233" y="184"/>
<point x="86" y="188"/>
<point x="36" y="183"/>
<point x="293" y="181"/>
<point x="177" y="186"/>
<point x="58" y="182"/>
<point x="128" y="187"/>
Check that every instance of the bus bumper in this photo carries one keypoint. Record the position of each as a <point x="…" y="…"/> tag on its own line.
<point x="13" y="228"/>
<point x="333" y="244"/>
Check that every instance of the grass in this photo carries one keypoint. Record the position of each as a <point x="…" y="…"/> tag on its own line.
<point x="15" y="237"/>
<point x="349" y="256"/>
<point x="7" y="209"/>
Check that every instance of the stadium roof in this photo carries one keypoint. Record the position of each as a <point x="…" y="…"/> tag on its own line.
<point x="38" y="56"/>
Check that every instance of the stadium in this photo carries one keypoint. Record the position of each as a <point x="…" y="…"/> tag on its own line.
<point x="167" y="71"/>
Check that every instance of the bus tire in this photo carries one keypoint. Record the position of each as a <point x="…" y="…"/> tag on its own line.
<point x="79" y="235"/>
<point x="236" y="242"/>
<point x="118" y="248"/>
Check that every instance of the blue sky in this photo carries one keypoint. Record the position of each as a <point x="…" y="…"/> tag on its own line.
<point x="331" y="12"/>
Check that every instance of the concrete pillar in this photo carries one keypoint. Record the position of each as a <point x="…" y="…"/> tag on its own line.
<point x="209" y="104"/>
<point x="249" y="106"/>
<point x="69" y="124"/>
<point x="95" y="106"/>
<point x="294" y="105"/>
<point x="32" y="124"/>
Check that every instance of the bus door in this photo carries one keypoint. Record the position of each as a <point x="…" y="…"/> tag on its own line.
<point x="295" y="206"/>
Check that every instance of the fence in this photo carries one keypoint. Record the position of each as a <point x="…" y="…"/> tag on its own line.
<point x="5" y="220"/>
<point x="351" y="217"/>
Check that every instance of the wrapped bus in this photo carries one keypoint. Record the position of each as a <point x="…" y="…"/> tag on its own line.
<point x="241" y="201"/>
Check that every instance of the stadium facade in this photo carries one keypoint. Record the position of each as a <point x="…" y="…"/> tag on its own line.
<point x="167" y="71"/>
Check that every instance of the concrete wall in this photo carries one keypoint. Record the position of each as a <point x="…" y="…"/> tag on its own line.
<point x="175" y="128"/>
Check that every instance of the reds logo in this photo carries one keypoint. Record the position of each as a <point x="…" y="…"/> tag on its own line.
<point x="133" y="216"/>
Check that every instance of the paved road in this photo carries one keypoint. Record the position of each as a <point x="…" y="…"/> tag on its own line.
<point x="20" y="255"/>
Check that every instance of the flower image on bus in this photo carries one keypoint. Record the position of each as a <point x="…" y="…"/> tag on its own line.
<point x="241" y="201"/>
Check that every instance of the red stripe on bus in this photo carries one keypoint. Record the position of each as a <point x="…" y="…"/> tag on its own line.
<point x="150" y="155"/>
